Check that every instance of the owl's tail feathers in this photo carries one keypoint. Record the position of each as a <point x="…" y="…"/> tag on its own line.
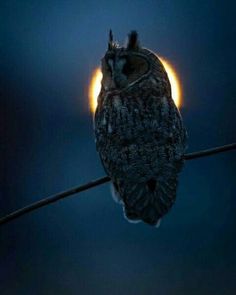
<point x="149" y="201"/>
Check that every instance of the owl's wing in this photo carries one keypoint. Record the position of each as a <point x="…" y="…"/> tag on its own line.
<point x="106" y="171"/>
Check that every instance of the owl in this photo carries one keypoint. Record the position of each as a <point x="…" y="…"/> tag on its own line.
<point x="139" y="131"/>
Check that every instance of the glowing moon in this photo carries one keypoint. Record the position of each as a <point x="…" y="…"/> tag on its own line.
<point x="95" y="85"/>
<point x="174" y="81"/>
<point x="94" y="89"/>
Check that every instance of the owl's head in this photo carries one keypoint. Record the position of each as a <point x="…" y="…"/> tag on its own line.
<point x="125" y="66"/>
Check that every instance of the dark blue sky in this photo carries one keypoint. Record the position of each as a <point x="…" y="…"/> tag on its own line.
<point x="83" y="245"/>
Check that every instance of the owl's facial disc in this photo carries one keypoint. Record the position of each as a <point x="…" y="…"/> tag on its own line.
<point x="122" y="68"/>
<point x="116" y="66"/>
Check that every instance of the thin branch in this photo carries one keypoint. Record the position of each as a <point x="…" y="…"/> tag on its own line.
<point x="52" y="199"/>
<point x="73" y="191"/>
<point x="210" y="152"/>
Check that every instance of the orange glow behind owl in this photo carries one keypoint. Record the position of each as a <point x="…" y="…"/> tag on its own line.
<point x="95" y="85"/>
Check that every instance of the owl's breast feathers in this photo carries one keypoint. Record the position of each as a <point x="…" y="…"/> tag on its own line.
<point x="141" y="140"/>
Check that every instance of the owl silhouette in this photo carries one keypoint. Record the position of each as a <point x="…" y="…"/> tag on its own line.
<point x="139" y="131"/>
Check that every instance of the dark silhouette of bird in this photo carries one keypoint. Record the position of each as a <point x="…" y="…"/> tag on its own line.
<point x="139" y="131"/>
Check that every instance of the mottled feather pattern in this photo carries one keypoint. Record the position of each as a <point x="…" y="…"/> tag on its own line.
<point x="141" y="141"/>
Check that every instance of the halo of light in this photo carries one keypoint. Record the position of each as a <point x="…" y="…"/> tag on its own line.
<point x="94" y="89"/>
<point x="174" y="81"/>
<point x="95" y="85"/>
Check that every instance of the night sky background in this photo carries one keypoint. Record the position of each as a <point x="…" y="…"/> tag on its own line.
<point x="83" y="245"/>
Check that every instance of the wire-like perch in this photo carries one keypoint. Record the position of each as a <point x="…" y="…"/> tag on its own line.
<point x="91" y="184"/>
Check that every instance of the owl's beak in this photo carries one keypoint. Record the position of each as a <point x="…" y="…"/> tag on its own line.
<point x="113" y="85"/>
<point x="116" y="81"/>
<point x="119" y="80"/>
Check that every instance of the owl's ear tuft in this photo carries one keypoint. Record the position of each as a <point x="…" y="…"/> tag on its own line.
<point x="110" y="40"/>
<point x="133" y="42"/>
